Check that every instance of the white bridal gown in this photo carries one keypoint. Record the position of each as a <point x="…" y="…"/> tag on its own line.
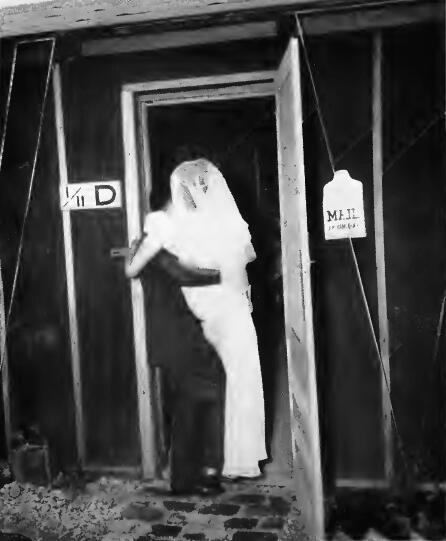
<point x="225" y="314"/>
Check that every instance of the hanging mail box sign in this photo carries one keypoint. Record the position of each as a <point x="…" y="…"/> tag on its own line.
<point x="91" y="195"/>
<point x="343" y="207"/>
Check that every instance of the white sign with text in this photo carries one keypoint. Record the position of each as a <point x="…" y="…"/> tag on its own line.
<point x="91" y="195"/>
<point x="343" y="207"/>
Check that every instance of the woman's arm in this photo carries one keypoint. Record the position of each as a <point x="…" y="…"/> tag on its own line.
<point x="141" y="252"/>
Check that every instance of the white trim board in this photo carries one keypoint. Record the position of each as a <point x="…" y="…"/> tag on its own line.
<point x="199" y="82"/>
<point x="69" y="267"/>
<point x="146" y="422"/>
<point x="257" y="90"/>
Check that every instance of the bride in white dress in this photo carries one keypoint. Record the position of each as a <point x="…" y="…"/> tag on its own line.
<point x="203" y="227"/>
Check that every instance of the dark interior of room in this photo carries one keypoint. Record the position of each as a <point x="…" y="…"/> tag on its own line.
<point x="239" y="136"/>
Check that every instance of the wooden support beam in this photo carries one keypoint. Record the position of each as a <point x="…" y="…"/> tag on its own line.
<point x="181" y="38"/>
<point x="69" y="269"/>
<point x="38" y="16"/>
<point x="381" y="17"/>
<point x="324" y="22"/>
<point x="380" y="253"/>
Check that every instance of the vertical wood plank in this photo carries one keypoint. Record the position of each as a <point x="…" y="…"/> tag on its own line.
<point x="380" y="252"/>
<point x="147" y="426"/>
<point x="69" y="269"/>
<point x="5" y="367"/>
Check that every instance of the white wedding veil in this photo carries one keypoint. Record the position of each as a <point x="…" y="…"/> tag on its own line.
<point x="206" y="212"/>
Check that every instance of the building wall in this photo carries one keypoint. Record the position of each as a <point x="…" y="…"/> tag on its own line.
<point x="349" y="375"/>
<point x="414" y="219"/>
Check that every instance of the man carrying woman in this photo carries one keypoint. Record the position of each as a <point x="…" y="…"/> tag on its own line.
<point x="200" y="228"/>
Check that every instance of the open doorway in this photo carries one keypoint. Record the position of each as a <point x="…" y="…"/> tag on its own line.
<point x="279" y="93"/>
<point x="239" y="136"/>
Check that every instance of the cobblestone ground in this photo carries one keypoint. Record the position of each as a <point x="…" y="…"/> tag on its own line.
<point x="116" y="510"/>
<point x="112" y="509"/>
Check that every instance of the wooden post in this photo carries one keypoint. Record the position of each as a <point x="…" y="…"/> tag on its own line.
<point x="380" y="253"/>
<point x="69" y="267"/>
<point x="5" y="367"/>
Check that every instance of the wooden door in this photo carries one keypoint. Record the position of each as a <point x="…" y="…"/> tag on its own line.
<point x="297" y="296"/>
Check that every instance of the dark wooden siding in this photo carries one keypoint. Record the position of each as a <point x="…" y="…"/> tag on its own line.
<point x="348" y="370"/>
<point x="414" y="203"/>
<point x="415" y="229"/>
<point x="38" y="339"/>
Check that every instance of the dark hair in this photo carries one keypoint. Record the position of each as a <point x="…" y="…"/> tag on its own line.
<point x="190" y="152"/>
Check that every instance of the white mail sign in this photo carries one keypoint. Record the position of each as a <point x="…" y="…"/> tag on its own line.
<point x="343" y="207"/>
<point x="91" y="195"/>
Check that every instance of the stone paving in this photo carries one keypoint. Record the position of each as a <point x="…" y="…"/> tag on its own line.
<point x="245" y="512"/>
<point x="115" y="510"/>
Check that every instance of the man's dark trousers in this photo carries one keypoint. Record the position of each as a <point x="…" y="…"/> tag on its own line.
<point x="191" y="367"/>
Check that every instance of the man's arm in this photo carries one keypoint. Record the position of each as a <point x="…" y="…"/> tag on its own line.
<point x="183" y="275"/>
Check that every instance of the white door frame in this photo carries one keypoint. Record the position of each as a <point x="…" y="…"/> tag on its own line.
<point x="136" y="98"/>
